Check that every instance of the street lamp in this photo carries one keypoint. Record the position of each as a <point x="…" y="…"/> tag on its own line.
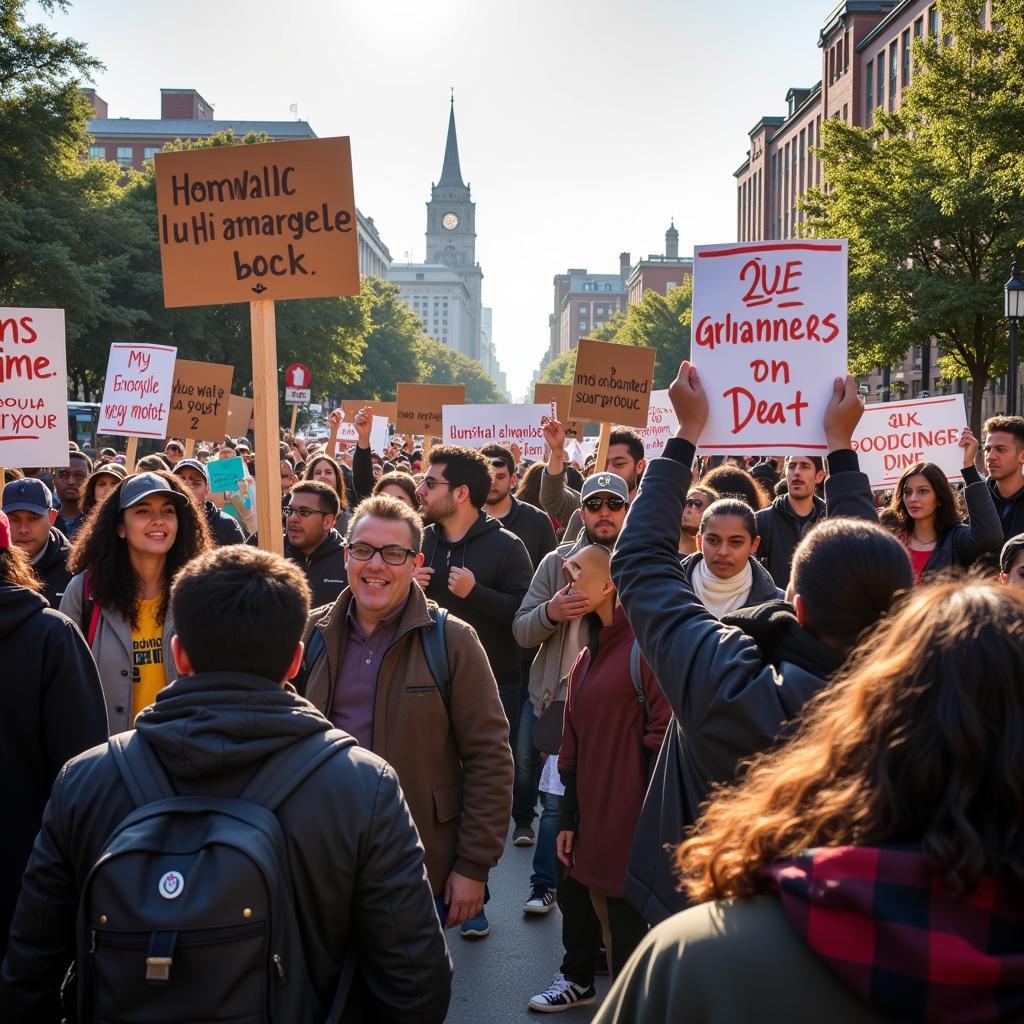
<point x="1013" y="291"/>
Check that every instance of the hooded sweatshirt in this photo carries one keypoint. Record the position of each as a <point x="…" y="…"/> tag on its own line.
<point x="52" y="567"/>
<point x="324" y="568"/>
<point x="781" y="530"/>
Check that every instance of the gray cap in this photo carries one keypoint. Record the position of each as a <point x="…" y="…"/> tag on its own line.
<point x="193" y="464"/>
<point x="28" y="495"/>
<point x="138" y="488"/>
<point x="604" y="483"/>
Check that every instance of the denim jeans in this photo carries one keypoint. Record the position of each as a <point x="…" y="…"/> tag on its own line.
<point x="524" y="789"/>
<point x="547" y="833"/>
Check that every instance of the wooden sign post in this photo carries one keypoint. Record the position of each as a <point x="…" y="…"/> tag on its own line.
<point x="131" y="454"/>
<point x="263" y="324"/>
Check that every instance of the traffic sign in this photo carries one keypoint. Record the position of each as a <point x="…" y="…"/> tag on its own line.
<point x="298" y="376"/>
<point x="296" y="396"/>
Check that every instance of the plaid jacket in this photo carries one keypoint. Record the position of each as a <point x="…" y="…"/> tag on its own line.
<point x="879" y="919"/>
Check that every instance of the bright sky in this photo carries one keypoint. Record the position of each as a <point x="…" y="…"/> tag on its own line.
<point x="584" y="125"/>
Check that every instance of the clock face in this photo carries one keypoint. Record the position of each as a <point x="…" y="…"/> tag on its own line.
<point x="450" y="221"/>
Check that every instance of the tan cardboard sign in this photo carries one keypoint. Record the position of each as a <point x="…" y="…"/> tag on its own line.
<point x="199" y="399"/>
<point x="560" y="394"/>
<point x="419" y="406"/>
<point x="275" y="220"/>
<point x="239" y="415"/>
<point x="612" y="383"/>
<point x="350" y="406"/>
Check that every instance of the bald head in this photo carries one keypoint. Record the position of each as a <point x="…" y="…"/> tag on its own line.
<point x="590" y="573"/>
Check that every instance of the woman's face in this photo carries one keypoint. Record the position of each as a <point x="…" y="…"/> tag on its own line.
<point x="151" y="526"/>
<point x="324" y="472"/>
<point x="394" y="491"/>
<point x="726" y="545"/>
<point x="103" y="486"/>
<point x="919" y="498"/>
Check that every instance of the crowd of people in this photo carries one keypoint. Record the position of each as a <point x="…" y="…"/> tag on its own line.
<point x="758" y="723"/>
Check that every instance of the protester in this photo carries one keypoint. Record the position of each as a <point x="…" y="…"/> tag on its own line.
<point x="311" y="540"/>
<point x="1004" y="460"/>
<point x="528" y="491"/>
<point x="224" y="529"/>
<point x="356" y="884"/>
<point x="365" y="470"/>
<point x="51" y="708"/>
<point x="698" y="499"/>
<point x="870" y="868"/>
<point x="102" y="480"/>
<point x="1011" y="562"/>
<point x="400" y="486"/>
<point x="729" y="481"/>
<point x="447" y="739"/>
<point x="732" y="692"/>
<point x="69" y="482"/>
<point x="28" y="505"/>
<point x="174" y="452"/>
<point x="326" y="470"/>
<point x="785" y="522"/>
<point x="927" y="518"/>
<point x="125" y="559"/>
<point x="288" y="478"/>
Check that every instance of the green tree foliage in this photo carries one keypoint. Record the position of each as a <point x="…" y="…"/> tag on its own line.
<point x="560" y="370"/>
<point x="931" y="199"/>
<point x="391" y="351"/>
<point x="661" y="322"/>
<point x="440" y="364"/>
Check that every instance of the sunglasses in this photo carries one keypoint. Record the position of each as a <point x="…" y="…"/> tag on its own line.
<point x="595" y="504"/>
<point x="693" y="503"/>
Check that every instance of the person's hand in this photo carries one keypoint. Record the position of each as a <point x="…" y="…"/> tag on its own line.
<point x="969" y="443"/>
<point x="461" y="581"/>
<point x="517" y="453"/>
<point x="464" y="898"/>
<point x="334" y="420"/>
<point x="423" y="576"/>
<point x="554" y="435"/>
<point x="363" y="424"/>
<point x="567" y="605"/>
<point x="689" y="402"/>
<point x="842" y="414"/>
<point x="563" y="847"/>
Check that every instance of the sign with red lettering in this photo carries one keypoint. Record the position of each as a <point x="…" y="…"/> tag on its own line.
<point x="894" y="435"/>
<point x="768" y="340"/>
<point x="137" y="391"/>
<point x="33" y="388"/>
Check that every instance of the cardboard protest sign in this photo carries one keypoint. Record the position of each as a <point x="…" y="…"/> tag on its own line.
<point x="768" y="340"/>
<point x="378" y="433"/>
<point x="225" y="473"/>
<point x="612" y="383"/>
<point x="350" y="406"/>
<point x="137" y="390"/>
<point x="239" y="415"/>
<point x="420" y="405"/>
<point x="661" y="424"/>
<point x="561" y="395"/>
<point x="894" y="435"/>
<point x="477" y="425"/>
<point x="33" y="388"/>
<point x="276" y="220"/>
<point x="199" y="399"/>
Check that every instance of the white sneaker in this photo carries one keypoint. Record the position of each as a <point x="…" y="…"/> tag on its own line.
<point x="541" y="900"/>
<point x="562" y="995"/>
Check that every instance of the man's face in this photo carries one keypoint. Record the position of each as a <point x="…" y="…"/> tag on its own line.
<point x="1003" y="455"/>
<point x="802" y="477"/>
<point x="377" y="586"/>
<point x="287" y="477"/>
<point x="306" y="525"/>
<point x="435" y="496"/>
<point x="30" y="531"/>
<point x="173" y="454"/>
<point x="603" y="524"/>
<point x="726" y="545"/>
<point x="69" y="481"/>
<point x="502" y="482"/>
<point x="623" y="464"/>
<point x="693" y="509"/>
<point x="195" y="482"/>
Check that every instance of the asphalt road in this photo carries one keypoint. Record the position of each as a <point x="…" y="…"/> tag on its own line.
<point x="496" y="976"/>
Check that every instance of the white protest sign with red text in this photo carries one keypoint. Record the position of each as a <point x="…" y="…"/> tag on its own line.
<point x="894" y="435"/>
<point x="477" y="425"/>
<point x="33" y="388"/>
<point x="137" y="391"/>
<point x="661" y="424"/>
<point x="768" y="339"/>
<point x="378" y="433"/>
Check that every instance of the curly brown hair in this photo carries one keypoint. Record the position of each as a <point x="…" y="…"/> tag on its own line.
<point x="947" y="508"/>
<point x="104" y="554"/>
<point x="15" y="568"/>
<point x="920" y="741"/>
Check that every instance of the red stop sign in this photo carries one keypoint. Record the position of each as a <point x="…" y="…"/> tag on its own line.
<point x="297" y="376"/>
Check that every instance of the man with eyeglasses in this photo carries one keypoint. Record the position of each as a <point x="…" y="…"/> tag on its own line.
<point x="373" y="680"/>
<point x="310" y="540"/>
<point x="69" y="482"/>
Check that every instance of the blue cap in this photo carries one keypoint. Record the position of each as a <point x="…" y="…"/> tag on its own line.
<point x="28" y="495"/>
<point x="193" y="464"/>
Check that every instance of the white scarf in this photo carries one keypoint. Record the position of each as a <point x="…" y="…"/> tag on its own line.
<point x="721" y="596"/>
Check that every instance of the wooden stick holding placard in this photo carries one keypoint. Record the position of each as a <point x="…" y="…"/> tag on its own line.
<point x="295" y="416"/>
<point x="190" y="447"/>
<point x="428" y="441"/>
<point x="130" y="454"/>
<point x="267" y="425"/>
<point x="602" y="446"/>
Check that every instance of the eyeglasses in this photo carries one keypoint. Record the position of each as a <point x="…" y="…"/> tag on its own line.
<point x="303" y="513"/>
<point x="595" y="504"/>
<point x="430" y="483"/>
<point x="392" y="554"/>
<point x="693" y="503"/>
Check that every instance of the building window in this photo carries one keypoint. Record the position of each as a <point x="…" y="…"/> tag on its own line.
<point x="933" y="21"/>
<point x="869" y="93"/>
<point x="892" y="74"/>
<point x="905" y="76"/>
<point x="97" y="152"/>
<point x="915" y="388"/>
<point x="880" y="80"/>
<point x="124" y="156"/>
<point x="583" y="325"/>
<point x="846" y="113"/>
<point x="419" y="277"/>
<point x="149" y="152"/>
<point x="846" y="52"/>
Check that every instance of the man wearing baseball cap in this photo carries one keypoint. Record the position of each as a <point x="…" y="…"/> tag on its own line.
<point x="223" y="528"/>
<point x="28" y="505"/>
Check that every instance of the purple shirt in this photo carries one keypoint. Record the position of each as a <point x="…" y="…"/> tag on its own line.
<point x="355" y="690"/>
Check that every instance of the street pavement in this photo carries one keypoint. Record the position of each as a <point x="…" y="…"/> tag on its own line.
<point x="495" y="976"/>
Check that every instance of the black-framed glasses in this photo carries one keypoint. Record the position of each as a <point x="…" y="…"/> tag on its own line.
<point x="430" y="483"/>
<point x="303" y="513"/>
<point x="392" y="554"/>
<point x="595" y="504"/>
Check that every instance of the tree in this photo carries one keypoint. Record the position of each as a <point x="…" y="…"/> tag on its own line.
<point x="931" y="200"/>
<point x="661" y="322"/>
<point x="560" y="370"/>
<point x="440" y="364"/>
<point x="391" y="351"/>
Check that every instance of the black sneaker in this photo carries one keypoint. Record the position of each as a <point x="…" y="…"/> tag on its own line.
<point x="523" y="836"/>
<point x="541" y="900"/>
<point x="562" y="994"/>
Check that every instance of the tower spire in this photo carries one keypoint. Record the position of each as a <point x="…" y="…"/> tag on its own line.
<point x="451" y="172"/>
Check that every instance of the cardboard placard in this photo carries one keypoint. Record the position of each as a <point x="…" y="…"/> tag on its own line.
<point x="378" y="434"/>
<point x="350" y="406"/>
<point x="768" y="340"/>
<point x="33" y="388"/>
<point x="661" y="424"/>
<point x="561" y="395"/>
<point x="474" y="426"/>
<point x="894" y="435"/>
<point x="239" y="415"/>
<point x="275" y="220"/>
<point x="612" y="383"/>
<point x="420" y="405"/>
<point x="199" y="400"/>
<point x="225" y="473"/>
<point x="137" y="390"/>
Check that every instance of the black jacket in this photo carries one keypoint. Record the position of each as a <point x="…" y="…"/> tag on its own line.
<point x="532" y="527"/>
<point x="501" y="565"/>
<point x="1010" y="510"/>
<point x="362" y="481"/>
<point x="52" y="567"/>
<point x="357" y="863"/>
<point x="324" y="568"/>
<point x="224" y="529"/>
<point x="780" y="530"/>
<point x="51" y="708"/>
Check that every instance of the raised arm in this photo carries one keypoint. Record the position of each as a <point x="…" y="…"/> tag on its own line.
<point x="984" y="533"/>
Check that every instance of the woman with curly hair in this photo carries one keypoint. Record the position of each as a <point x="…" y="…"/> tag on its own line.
<point x="873" y="867"/>
<point x="728" y="481"/>
<point x="124" y="558"/>
<point x="328" y="471"/>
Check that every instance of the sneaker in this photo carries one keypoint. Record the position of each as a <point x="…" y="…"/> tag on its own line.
<point x="562" y="994"/>
<point x="475" y="928"/>
<point x="523" y="836"/>
<point x="541" y="900"/>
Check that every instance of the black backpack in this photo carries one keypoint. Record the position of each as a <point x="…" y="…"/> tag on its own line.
<point x="188" y="912"/>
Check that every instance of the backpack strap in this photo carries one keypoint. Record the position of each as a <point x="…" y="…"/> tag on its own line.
<point x="282" y="773"/>
<point x="143" y="774"/>
<point x="637" y="680"/>
<point x="435" y="650"/>
<point x="90" y="611"/>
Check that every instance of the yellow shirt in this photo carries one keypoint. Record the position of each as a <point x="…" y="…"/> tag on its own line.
<point x="148" y="675"/>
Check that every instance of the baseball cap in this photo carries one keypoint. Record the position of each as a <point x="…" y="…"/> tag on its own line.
<point x="114" y="469"/>
<point x="192" y="464"/>
<point x="243" y="442"/>
<point x="604" y="483"/>
<point x="1013" y="547"/>
<point x="28" y="495"/>
<point x="5" y="531"/>
<point x="138" y="488"/>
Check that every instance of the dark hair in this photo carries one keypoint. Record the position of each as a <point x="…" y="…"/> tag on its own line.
<point x="150" y="463"/>
<point x="529" y="485"/>
<point x="1007" y="425"/>
<point x="499" y="451"/>
<point x="817" y="460"/>
<point x="733" y="482"/>
<point x="11" y="474"/>
<point x="89" y="497"/>
<point x="631" y="439"/>
<point x="176" y="445"/>
<point x="327" y="496"/>
<point x="848" y="572"/>
<point x="16" y="569"/>
<point x="728" y="507"/>
<point x="240" y="609"/>
<point x="947" y="510"/>
<point x="76" y="453"/>
<point x="383" y="506"/>
<point x="98" y="549"/>
<point x="464" y="467"/>
<point x="397" y="479"/>
<point x="339" y="476"/>
<point x="781" y="488"/>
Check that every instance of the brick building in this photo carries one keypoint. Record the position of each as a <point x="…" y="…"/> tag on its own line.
<point x="659" y="273"/>
<point x="583" y="303"/>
